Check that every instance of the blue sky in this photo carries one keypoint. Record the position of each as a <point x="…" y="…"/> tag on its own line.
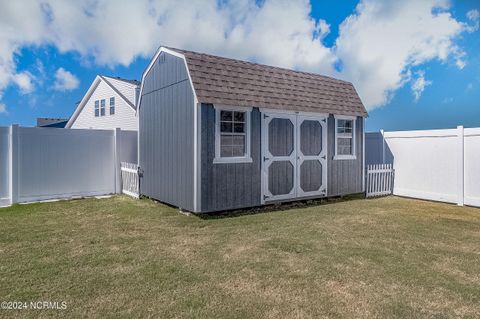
<point x="442" y="66"/>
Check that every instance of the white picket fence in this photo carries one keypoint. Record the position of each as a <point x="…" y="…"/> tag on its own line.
<point x="380" y="179"/>
<point x="130" y="180"/>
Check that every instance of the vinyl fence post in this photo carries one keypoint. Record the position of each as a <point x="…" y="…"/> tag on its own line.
<point x="118" y="178"/>
<point x="13" y="164"/>
<point x="382" y="132"/>
<point x="460" y="166"/>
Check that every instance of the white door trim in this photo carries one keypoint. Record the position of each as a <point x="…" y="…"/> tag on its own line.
<point x="267" y="158"/>
<point x="322" y="157"/>
<point x="296" y="158"/>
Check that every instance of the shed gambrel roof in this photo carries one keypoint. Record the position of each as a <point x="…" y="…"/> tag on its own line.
<point x="225" y="81"/>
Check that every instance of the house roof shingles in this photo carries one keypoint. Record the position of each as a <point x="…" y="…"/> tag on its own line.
<point x="219" y="80"/>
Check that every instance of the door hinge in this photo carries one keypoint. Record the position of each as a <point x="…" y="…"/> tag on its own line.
<point x="324" y="157"/>
<point x="265" y="197"/>
<point x="324" y="120"/>
<point x="265" y="159"/>
<point x="265" y="116"/>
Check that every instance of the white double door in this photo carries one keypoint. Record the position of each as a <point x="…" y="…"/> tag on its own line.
<point x="294" y="156"/>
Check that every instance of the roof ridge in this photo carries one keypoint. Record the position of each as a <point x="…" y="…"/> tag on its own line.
<point x="133" y="82"/>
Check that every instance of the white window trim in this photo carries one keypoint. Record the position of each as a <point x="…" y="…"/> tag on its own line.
<point x="354" y="137"/>
<point x="243" y="159"/>
<point x="95" y="108"/>
<point x="110" y="105"/>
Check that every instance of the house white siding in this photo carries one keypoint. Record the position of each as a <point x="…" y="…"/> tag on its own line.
<point x="124" y="116"/>
<point x="127" y="89"/>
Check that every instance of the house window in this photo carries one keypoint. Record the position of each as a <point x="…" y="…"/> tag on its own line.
<point x="102" y="107"/>
<point x="112" y="105"/>
<point x="97" y="108"/>
<point x="232" y="140"/>
<point x="344" y="137"/>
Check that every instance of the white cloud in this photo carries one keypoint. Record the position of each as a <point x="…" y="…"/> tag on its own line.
<point x="384" y="40"/>
<point x="24" y="81"/>
<point x="378" y="45"/>
<point x="419" y="85"/>
<point x="3" y="109"/>
<point x="473" y="14"/>
<point x="65" y="81"/>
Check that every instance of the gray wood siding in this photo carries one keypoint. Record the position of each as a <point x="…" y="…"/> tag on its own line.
<point x="344" y="176"/>
<point x="229" y="186"/>
<point x="166" y="133"/>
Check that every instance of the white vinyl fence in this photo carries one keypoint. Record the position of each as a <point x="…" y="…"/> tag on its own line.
<point x="4" y="163"/>
<point x="130" y="179"/>
<point x="441" y="165"/>
<point x="46" y="163"/>
<point x="379" y="180"/>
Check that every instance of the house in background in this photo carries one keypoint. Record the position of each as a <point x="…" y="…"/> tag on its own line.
<point x="51" y="122"/>
<point x="109" y="103"/>
<point x="220" y="134"/>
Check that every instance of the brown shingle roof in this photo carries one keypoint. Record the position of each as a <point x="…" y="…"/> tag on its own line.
<point x="226" y="81"/>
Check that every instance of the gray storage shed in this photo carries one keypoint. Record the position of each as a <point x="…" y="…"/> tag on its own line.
<point x="219" y="134"/>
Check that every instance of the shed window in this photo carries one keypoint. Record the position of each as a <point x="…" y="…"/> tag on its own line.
<point x="232" y="135"/>
<point x="112" y="105"/>
<point x="344" y="138"/>
<point x="102" y="107"/>
<point x="97" y="108"/>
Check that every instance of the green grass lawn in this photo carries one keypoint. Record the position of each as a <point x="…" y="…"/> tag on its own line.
<point x="122" y="258"/>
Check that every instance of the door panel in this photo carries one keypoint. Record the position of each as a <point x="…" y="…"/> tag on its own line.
<point x="294" y="156"/>
<point x="312" y="156"/>
<point x="281" y="137"/>
<point x="310" y="175"/>
<point x="279" y="156"/>
<point x="281" y="175"/>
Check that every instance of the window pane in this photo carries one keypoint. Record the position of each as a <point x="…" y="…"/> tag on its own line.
<point x="226" y="140"/>
<point x="96" y="104"/>
<point x="239" y="128"/>
<point x="102" y="111"/>
<point x="96" y="112"/>
<point x="238" y="151"/>
<point x="102" y="103"/>
<point x="344" y="146"/>
<point x="226" y="127"/>
<point x="344" y="126"/>
<point x="112" y="110"/>
<point x="238" y="140"/>
<point x="226" y="115"/>
<point x="226" y="151"/>
<point x="112" y="101"/>
<point x="232" y="145"/>
<point x="239" y="116"/>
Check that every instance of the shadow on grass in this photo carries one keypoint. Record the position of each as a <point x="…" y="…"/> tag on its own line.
<point x="278" y="207"/>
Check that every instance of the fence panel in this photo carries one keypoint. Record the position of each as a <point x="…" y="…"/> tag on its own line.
<point x="441" y="165"/>
<point x="4" y="166"/>
<point x="60" y="163"/>
<point x="472" y="166"/>
<point x="128" y="149"/>
<point x="425" y="163"/>
<point x="130" y="180"/>
<point x="379" y="180"/>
